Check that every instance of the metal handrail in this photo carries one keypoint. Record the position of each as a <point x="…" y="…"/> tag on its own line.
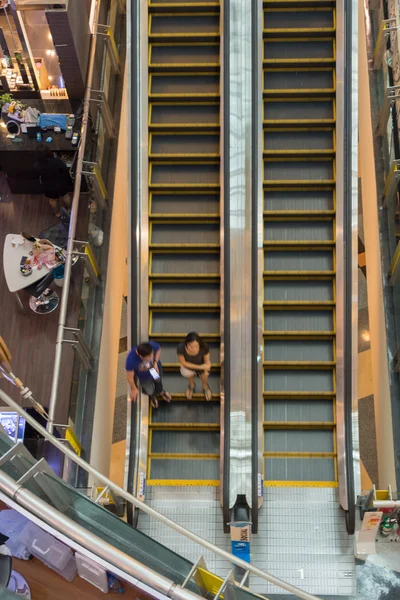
<point x="72" y="227"/>
<point x="150" y="511"/>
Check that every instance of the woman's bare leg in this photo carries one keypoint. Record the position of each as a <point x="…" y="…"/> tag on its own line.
<point x="190" y="389"/>
<point x="204" y="379"/>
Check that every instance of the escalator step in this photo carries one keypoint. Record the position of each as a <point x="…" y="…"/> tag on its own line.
<point x="299" y="320"/>
<point x="299" y="20"/>
<point x="310" y="51"/>
<point x="189" y="293"/>
<point x="291" y="440"/>
<point x="308" y="411"/>
<point x="184" y="144"/>
<point x="184" y="203"/>
<point x="176" y="384"/>
<point x="298" y="351"/>
<point x="315" y="141"/>
<point x="184" y="85"/>
<point x="188" y="412"/>
<point x="299" y="80"/>
<point x="285" y="231"/>
<point x="184" y="469"/>
<point x="295" y="200"/>
<point x="298" y="291"/>
<point x="289" y="111"/>
<point x="169" y="356"/>
<point x="184" y="174"/>
<point x="185" y="233"/>
<point x="178" y="55"/>
<point x="178" y="25"/>
<point x="298" y="381"/>
<point x="184" y="115"/>
<point x="173" y="323"/>
<point x="172" y="263"/>
<point x="288" y="171"/>
<point x="299" y="469"/>
<point x="185" y="442"/>
<point x="298" y="261"/>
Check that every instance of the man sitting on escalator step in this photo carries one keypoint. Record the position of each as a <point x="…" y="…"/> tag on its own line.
<point x="144" y="363"/>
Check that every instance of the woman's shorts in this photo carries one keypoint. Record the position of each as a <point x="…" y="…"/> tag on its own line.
<point x="187" y="372"/>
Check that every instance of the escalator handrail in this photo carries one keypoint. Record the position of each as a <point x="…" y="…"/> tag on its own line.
<point x="255" y="391"/>
<point x="226" y="269"/>
<point x="133" y="408"/>
<point x="348" y="268"/>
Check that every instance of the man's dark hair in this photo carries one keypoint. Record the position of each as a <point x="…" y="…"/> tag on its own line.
<point x="144" y="349"/>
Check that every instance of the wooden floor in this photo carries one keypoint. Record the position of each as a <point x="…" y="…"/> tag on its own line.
<point x="31" y="338"/>
<point x="45" y="584"/>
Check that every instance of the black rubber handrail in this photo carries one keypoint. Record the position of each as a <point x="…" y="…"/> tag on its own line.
<point x="132" y="514"/>
<point x="255" y="391"/>
<point x="227" y="283"/>
<point x="348" y="267"/>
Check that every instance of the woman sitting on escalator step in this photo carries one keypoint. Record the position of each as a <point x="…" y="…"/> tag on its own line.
<point x="144" y="363"/>
<point x="194" y="358"/>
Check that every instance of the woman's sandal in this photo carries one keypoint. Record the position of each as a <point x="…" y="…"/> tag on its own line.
<point x="207" y="392"/>
<point x="189" y="392"/>
<point x="165" y="396"/>
<point x="154" y="402"/>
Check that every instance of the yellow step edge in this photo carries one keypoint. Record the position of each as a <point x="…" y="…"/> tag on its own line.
<point x="298" y="395"/>
<point x="298" y="215"/>
<point x="301" y="30"/>
<point x="295" y="91"/>
<point x="198" y="216"/>
<point x="287" y="397"/>
<point x="184" y="426"/>
<point x="294" y="425"/>
<point x="176" y="367"/>
<point x="298" y="275"/>
<point x="169" y="456"/>
<point x="299" y="455"/>
<point x="191" y="246"/>
<point x="298" y="243"/>
<point x="305" y="9"/>
<point x="295" y="182"/>
<point x="273" y="305"/>
<point x="280" y="365"/>
<point x="171" y="127"/>
<point x="183" y="276"/>
<point x="297" y="152"/>
<point x="313" y="484"/>
<point x="183" y="482"/>
<point x="183" y="305"/>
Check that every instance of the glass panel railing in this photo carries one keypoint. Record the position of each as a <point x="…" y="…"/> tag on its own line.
<point x="110" y="528"/>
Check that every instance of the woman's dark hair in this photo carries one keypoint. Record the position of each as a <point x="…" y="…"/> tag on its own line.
<point x="144" y="349"/>
<point x="193" y="336"/>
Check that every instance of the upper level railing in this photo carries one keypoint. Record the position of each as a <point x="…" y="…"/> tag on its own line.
<point x="91" y="169"/>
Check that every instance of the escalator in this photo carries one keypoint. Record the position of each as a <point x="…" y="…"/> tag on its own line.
<point x="299" y="324"/>
<point x="184" y="232"/>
